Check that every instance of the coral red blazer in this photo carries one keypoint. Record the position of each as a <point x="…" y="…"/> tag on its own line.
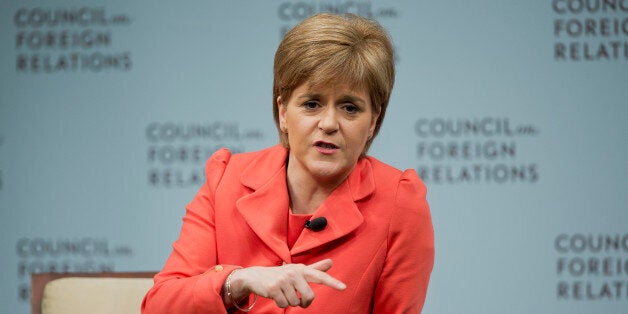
<point x="379" y="236"/>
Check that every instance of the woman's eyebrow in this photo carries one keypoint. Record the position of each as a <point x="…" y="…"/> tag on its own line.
<point x="310" y="96"/>
<point x="343" y="98"/>
<point x="352" y="99"/>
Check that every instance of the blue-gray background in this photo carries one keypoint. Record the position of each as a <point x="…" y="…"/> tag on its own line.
<point x="92" y="175"/>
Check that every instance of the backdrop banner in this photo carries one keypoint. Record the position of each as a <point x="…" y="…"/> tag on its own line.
<point x="513" y="113"/>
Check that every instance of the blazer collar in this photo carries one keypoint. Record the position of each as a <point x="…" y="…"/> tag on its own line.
<point x="266" y="208"/>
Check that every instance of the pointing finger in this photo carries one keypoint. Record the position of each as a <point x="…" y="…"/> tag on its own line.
<point x="323" y="265"/>
<point x="320" y="277"/>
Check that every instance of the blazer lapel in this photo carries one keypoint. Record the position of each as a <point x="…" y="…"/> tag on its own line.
<point x="266" y="209"/>
<point x="340" y="209"/>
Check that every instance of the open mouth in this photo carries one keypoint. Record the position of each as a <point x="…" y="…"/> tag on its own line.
<point x="325" y="145"/>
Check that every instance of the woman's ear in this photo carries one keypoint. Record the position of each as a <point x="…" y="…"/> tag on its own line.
<point x="281" y="106"/>
<point x="373" y="122"/>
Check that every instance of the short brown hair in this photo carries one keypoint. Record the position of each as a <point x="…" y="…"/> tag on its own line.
<point x="328" y="47"/>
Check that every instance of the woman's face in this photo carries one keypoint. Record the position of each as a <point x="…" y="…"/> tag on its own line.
<point x="327" y="128"/>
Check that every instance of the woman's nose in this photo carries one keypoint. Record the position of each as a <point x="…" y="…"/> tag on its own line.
<point x="328" y="122"/>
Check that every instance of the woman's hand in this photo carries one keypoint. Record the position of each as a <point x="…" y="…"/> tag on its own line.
<point x="287" y="285"/>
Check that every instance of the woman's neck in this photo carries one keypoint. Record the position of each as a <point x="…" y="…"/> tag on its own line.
<point x="306" y="193"/>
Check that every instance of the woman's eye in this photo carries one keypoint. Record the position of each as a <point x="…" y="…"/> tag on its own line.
<point x="310" y="105"/>
<point x="351" y="108"/>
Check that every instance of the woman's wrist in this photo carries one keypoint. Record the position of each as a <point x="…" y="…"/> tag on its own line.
<point x="235" y="293"/>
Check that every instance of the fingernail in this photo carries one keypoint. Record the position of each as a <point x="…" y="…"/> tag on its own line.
<point x="342" y="286"/>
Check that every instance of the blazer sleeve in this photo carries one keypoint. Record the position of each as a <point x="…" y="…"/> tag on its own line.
<point x="190" y="281"/>
<point x="410" y="251"/>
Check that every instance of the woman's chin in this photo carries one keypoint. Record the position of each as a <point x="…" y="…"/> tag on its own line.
<point x="329" y="171"/>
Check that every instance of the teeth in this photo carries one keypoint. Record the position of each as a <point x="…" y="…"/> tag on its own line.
<point x="326" y="145"/>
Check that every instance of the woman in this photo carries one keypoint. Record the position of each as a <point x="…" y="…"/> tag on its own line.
<point x="243" y="244"/>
